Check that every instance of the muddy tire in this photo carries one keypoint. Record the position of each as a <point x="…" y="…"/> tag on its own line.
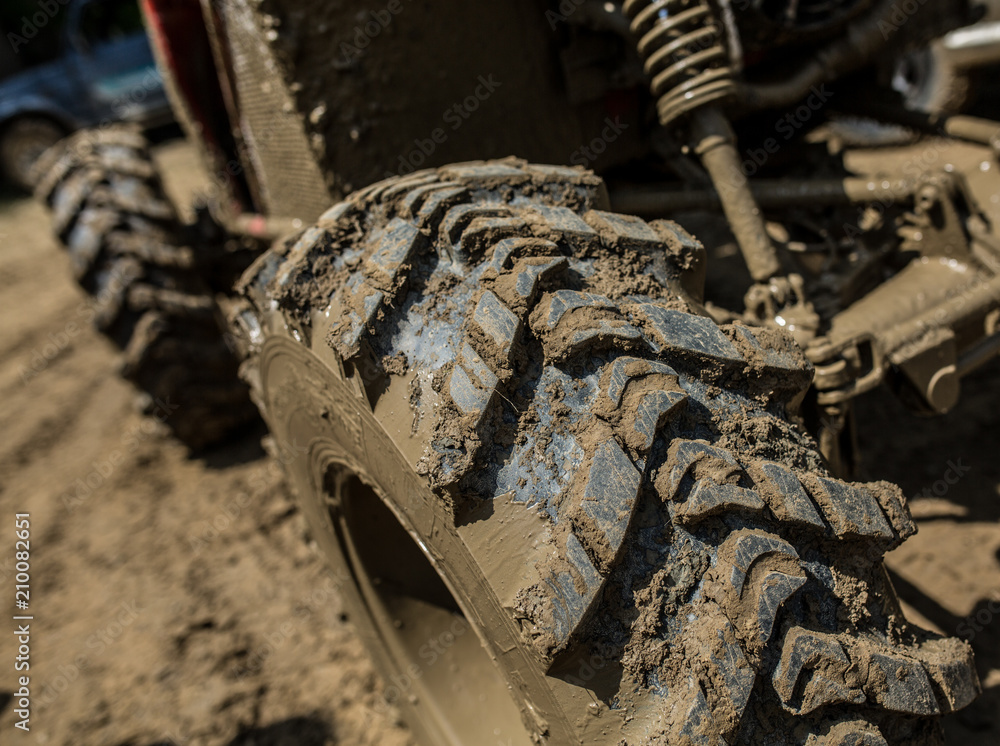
<point x="564" y="506"/>
<point x="125" y="245"/>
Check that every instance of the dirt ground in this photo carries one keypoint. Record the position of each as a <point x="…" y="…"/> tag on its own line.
<point x="175" y="600"/>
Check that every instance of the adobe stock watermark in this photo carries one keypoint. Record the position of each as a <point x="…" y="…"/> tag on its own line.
<point x="952" y="475"/>
<point x="982" y="618"/>
<point x="455" y="116"/>
<point x="30" y="26"/>
<point x="86" y="486"/>
<point x="914" y="169"/>
<point x="207" y="531"/>
<point x="60" y="341"/>
<point x="430" y="653"/>
<point x="958" y="299"/>
<point x="56" y="343"/>
<point x="590" y="152"/>
<point x="785" y="128"/>
<point x="257" y="657"/>
<point x="375" y="23"/>
<point x="901" y="13"/>
<point x="562" y="14"/>
<point x="124" y="105"/>
<point x="96" y="643"/>
<point x="307" y="605"/>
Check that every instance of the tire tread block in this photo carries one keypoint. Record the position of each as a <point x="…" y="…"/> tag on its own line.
<point x="780" y="362"/>
<point x="733" y="678"/>
<point x="787" y="498"/>
<point x="406" y="185"/>
<point x="563" y="301"/>
<point x="573" y="323"/>
<point x="337" y="213"/>
<point x="823" y="657"/>
<point x="397" y="248"/>
<point x="952" y="670"/>
<point x="87" y="238"/>
<point x="472" y="382"/>
<point x="146" y="249"/>
<point x="699" y="727"/>
<point x="759" y="573"/>
<point x="852" y="733"/>
<point x="626" y="369"/>
<point x="497" y="323"/>
<point x="133" y="195"/>
<point x="573" y="592"/>
<point x="440" y="200"/>
<point x="304" y="245"/>
<point x="482" y="232"/>
<point x="69" y="199"/>
<point x="569" y="226"/>
<point x="684" y="454"/>
<point x="142" y="296"/>
<point x="367" y="292"/>
<point x="458" y="218"/>
<point x="852" y="512"/>
<point x="744" y="548"/>
<point x="409" y="206"/>
<point x="775" y="591"/>
<point x="346" y="338"/>
<point x="531" y="250"/>
<point x="623" y="231"/>
<point x="601" y="335"/>
<point x="900" y="684"/>
<point x="529" y="275"/>
<point x="890" y="498"/>
<point x="485" y="171"/>
<point x="709" y="498"/>
<point x="652" y="414"/>
<point x="610" y="496"/>
<point x="679" y="332"/>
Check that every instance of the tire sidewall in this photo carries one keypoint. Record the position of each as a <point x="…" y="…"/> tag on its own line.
<point x="319" y="421"/>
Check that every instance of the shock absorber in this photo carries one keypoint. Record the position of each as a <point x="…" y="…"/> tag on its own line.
<point x="683" y="46"/>
<point x="685" y="54"/>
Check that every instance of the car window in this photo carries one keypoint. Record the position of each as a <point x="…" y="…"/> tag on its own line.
<point x="106" y="21"/>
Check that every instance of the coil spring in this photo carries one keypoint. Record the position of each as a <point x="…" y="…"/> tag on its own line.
<point x="682" y="45"/>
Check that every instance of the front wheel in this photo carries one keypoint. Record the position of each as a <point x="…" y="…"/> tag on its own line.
<point x="565" y="506"/>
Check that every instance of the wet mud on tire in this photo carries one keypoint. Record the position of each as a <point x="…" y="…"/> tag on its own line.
<point x="210" y="657"/>
<point x="598" y="472"/>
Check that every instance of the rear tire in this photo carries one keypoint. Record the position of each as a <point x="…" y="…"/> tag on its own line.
<point x="502" y="411"/>
<point x="125" y="245"/>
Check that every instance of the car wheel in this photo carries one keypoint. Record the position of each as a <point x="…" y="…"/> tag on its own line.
<point x="565" y="505"/>
<point x="148" y="290"/>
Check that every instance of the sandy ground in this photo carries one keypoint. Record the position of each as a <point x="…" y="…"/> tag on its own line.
<point x="175" y="601"/>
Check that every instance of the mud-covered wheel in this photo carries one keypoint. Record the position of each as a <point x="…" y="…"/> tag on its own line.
<point x="125" y="245"/>
<point x="567" y="507"/>
<point x="22" y="142"/>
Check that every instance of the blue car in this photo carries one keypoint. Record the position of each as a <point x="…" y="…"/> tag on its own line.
<point x="105" y="73"/>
